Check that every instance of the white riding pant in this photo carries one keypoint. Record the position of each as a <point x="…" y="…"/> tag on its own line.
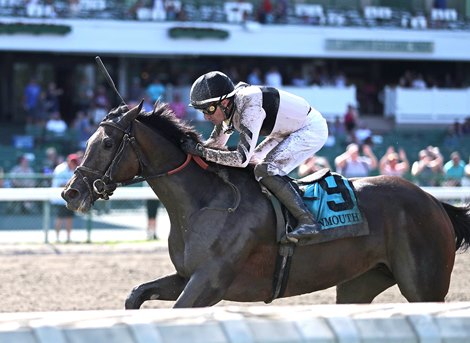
<point x="283" y="154"/>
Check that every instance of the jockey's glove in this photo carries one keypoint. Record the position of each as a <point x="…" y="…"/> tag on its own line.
<point x="192" y="147"/>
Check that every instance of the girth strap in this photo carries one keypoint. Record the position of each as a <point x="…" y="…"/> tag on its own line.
<point x="285" y="252"/>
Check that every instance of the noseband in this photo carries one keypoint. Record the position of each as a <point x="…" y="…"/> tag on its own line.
<point x="104" y="186"/>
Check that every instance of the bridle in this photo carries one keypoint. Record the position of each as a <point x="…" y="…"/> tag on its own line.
<point x="104" y="186"/>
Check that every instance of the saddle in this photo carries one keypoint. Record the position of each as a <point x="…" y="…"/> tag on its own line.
<point x="332" y="200"/>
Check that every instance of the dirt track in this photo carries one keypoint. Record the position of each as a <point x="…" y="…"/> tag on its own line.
<point x="82" y="277"/>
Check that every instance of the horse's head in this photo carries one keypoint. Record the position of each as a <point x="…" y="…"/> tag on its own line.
<point x="97" y="175"/>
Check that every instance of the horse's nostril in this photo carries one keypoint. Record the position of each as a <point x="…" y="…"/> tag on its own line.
<point x="70" y="194"/>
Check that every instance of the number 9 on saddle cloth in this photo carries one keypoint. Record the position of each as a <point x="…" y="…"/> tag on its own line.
<point x="332" y="200"/>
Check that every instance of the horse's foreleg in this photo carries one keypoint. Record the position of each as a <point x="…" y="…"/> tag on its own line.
<point x="165" y="288"/>
<point x="205" y="288"/>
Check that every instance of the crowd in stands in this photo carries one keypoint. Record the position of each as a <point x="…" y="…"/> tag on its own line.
<point x="429" y="168"/>
<point x="416" y="80"/>
<point x="45" y="120"/>
<point x="43" y="115"/>
<point x="241" y="11"/>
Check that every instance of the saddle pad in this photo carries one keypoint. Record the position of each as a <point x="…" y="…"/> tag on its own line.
<point x="333" y="202"/>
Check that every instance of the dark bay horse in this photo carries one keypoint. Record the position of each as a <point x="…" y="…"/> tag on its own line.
<point x="222" y="238"/>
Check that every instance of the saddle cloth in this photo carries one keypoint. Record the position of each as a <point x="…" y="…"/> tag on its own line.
<point x="332" y="200"/>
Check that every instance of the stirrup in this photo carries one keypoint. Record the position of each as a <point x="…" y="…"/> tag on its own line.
<point x="305" y="231"/>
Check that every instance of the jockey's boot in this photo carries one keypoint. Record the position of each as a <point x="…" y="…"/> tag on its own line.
<point x="307" y="226"/>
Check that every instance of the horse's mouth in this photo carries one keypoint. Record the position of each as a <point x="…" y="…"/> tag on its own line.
<point x="82" y="207"/>
<point x="75" y="201"/>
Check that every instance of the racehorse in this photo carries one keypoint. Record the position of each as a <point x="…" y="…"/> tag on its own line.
<point x="222" y="237"/>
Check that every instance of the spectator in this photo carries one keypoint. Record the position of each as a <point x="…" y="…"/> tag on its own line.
<point x="337" y="129"/>
<point x="406" y="80"/>
<point x="466" y="126"/>
<point x="84" y="96"/>
<point x="363" y="134"/>
<point x="453" y="135"/>
<point x="457" y="128"/>
<point x="281" y="11"/>
<point x="32" y="101"/>
<point x="152" y="215"/>
<point x="136" y="92"/>
<point x="155" y="90"/>
<point x="350" y="122"/>
<point x="265" y="12"/>
<point x="298" y="80"/>
<point x="51" y="98"/>
<point x="392" y="163"/>
<point x="22" y="176"/>
<point x="172" y="12"/>
<point x="64" y="217"/>
<point x="2" y="178"/>
<point x="254" y="77"/>
<point x="440" y="4"/>
<point x="83" y="128"/>
<point x="352" y="164"/>
<point x="273" y="77"/>
<point x="454" y="170"/>
<point x="101" y="98"/>
<point x="312" y="164"/>
<point x="428" y="169"/>
<point x="51" y="161"/>
<point x="448" y="81"/>
<point x="418" y="82"/>
<point x="466" y="178"/>
<point x="147" y="106"/>
<point x="178" y="106"/>
<point x="340" y="80"/>
<point x="73" y="8"/>
<point x="56" y="126"/>
<point x="158" y="10"/>
<point x="234" y="73"/>
<point x="100" y="105"/>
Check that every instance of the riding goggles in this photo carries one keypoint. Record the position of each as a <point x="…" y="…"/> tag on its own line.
<point x="210" y="110"/>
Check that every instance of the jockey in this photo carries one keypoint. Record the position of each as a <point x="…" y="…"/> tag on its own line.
<point x="293" y="131"/>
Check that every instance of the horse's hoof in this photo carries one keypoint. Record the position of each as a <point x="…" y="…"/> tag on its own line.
<point x="131" y="303"/>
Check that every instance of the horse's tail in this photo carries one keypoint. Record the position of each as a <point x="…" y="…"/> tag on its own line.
<point x="460" y="218"/>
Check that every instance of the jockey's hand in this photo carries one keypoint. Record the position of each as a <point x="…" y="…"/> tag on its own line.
<point x="191" y="146"/>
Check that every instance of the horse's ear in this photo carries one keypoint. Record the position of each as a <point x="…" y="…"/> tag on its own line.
<point x="132" y="114"/>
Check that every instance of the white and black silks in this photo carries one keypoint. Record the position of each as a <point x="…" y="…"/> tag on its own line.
<point x="292" y="128"/>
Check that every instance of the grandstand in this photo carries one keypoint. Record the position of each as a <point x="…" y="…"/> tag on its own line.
<point x="374" y="43"/>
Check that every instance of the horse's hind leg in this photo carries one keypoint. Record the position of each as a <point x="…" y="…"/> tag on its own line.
<point x="165" y="288"/>
<point x="425" y="283"/>
<point x="364" y="288"/>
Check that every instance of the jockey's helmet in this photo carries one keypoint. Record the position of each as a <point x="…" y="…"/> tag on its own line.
<point x="212" y="87"/>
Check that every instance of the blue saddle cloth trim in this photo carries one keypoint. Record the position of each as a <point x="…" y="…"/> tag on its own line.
<point x="330" y="204"/>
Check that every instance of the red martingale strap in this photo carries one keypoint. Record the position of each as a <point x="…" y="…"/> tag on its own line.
<point x="196" y="159"/>
<point x="201" y="163"/>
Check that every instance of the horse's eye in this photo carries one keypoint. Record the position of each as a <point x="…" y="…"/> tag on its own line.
<point x="108" y="143"/>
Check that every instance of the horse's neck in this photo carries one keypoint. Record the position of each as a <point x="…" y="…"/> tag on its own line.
<point x="177" y="191"/>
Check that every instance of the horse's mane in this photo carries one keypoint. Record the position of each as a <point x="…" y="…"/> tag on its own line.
<point x="163" y="119"/>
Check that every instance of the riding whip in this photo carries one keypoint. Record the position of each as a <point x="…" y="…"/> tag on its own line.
<point x="108" y="77"/>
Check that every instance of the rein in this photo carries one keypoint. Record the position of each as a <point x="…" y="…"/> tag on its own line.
<point x="104" y="187"/>
<point x="200" y="162"/>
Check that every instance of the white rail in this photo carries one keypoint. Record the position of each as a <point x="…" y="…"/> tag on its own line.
<point x="46" y="195"/>
<point x="49" y="193"/>
<point x="144" y="193"/>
